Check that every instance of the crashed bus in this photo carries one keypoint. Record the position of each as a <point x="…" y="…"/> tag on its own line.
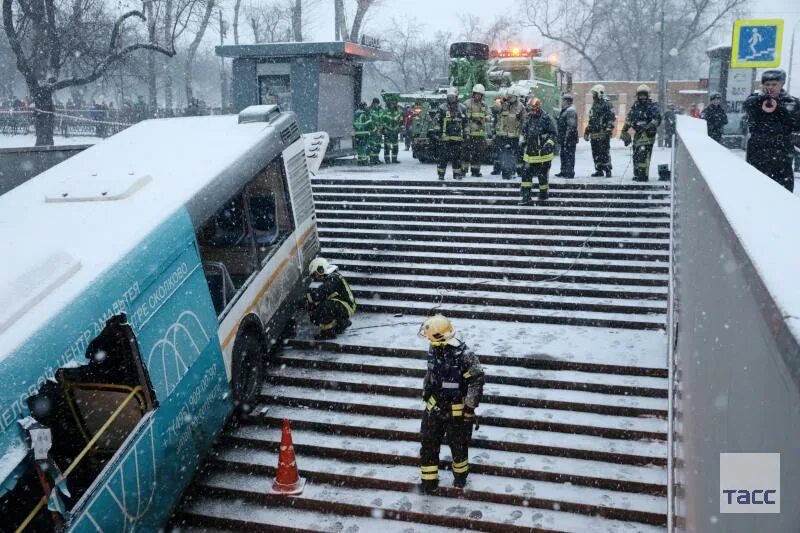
<point x="145" y="283"/>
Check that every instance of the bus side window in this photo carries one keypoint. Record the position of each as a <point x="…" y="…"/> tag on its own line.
<point x="226" y="245"/>
<point x="267" y="206"/>
<point x="91" y="408"/>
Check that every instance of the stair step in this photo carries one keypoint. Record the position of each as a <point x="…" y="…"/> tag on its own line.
<point x="510" y="286"/>
<point x="484" y="183"/>
<point x="620" y="478"/>
<point x="402" y="505"/>
<point x="248" y="515"/>
<point x="529" y="217"/>
<point x="499" y="260"/>
<point x="417" y="367"/>
<point x="289" y="389"/>
<point x="654" y="322"/>
<point x="569" y="498"/>
<point x="469" y="248"/>
<point x="494" y="210"/>
<point x="512" y="199"/>
<point x="545" y="442"/>
<point x="532" y="274"/>
<point x="496" y="393"/>
<point x="548" y="227"/>
<point x="499" y="238"/>
<point x="525" y="302"/>
<point x="487" y="190"/>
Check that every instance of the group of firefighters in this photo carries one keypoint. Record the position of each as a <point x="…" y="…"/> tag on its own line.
<point x="453" y="383"/>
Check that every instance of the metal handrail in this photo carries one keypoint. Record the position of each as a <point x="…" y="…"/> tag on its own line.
<point x="136" y="390"/>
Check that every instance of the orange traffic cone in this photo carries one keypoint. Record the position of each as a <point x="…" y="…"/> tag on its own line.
<point x="287" y="479"/>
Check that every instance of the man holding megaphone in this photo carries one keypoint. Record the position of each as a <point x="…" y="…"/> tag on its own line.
<point x="772" y="115"/>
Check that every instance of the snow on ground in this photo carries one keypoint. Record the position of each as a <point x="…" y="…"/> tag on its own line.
<point x="411" y="169"/>
<point x="29" y="140"/>
<point x="543" y="341"/>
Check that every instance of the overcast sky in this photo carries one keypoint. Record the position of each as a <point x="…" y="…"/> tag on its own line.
<point x="443" y="14"/>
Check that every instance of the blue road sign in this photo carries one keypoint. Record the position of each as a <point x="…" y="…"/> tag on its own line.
<point x="756" y="43"/>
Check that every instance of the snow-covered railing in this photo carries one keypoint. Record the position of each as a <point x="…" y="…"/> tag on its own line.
<point x="735" y="327"/>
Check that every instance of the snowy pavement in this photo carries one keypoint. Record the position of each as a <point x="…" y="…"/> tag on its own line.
<point x="29" y="140"/>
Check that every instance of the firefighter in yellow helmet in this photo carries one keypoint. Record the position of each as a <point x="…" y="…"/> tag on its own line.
<point x="475" y="142"/>
<point x="452" y="390"/>
<point x="538" y="150"/>
<point x="331" y="303"/>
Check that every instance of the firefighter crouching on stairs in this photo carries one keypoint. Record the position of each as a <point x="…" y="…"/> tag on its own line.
<point x="452" y="390"/>
<point x="331" y="304"/>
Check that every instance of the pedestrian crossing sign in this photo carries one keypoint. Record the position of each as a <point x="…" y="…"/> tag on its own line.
<point x="757" y="43"/>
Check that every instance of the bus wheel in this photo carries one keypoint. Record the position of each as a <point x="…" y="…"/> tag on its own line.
<point x="249" y="373"/>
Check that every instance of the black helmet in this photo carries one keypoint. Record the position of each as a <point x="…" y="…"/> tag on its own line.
<point x="376" y="101"/>
<point x="567" y="96"/>
<point x="714" y="96"/>
<point x="774" y="74"/>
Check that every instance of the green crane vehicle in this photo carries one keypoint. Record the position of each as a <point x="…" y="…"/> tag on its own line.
<point x="499" y="71"/>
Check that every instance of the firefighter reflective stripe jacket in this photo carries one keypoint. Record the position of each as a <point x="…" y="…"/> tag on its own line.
<point x="601" y="119"/>
<point x="336" y="288"/>
<point x="455" y="377"/>
<point x="477" y="114"/>
<point x="392" y="120"/>
<point x="362" y="123"/>
<point x="452" y="121"/>
<point x="510" y="118"/>
<point x="540" y="139"/>
<point x="644" y="118"/>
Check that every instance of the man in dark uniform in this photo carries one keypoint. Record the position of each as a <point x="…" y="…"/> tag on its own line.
<point x="332" y="303"/>
<point x="567" y="136"/>
<point x="538" y="149"/>
<point x="644" y="117"/>
<point x="376" y="138"/>
<point x="363" y="128"/>
<point x="392" y="124"/>
<point x="452" y="118"/>
<point x="772" y="116"/>
<point x="715" y="117"/>
<point x="452" y="390"/>
<point x="599" y="130"/>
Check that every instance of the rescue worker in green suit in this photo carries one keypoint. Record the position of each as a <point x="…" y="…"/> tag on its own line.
<point x="644" y="117"/>
<point x="392" y="125"/>
<point x="376" y="138"/>
<point x="363" y="128"/>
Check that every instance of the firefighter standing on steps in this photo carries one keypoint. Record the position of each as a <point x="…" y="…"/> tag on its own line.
<point x="475" y="143"/>
<point x="598" y="131"/>
<point x="331" y="304"/>
<point x="452" y="117"/>
<point x="538" y="149"/>
<point x="452" y="390"/>
<point x="644" y="117"/>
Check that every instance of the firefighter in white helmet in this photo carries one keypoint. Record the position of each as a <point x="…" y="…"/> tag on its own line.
<point x="509" y="116"/>
<point x="475" y="142"/>
<point x="452" y="390"/>
<point x="331" y="303"/>
<point x="599" y="130"/>
<point x="644" y="117"/>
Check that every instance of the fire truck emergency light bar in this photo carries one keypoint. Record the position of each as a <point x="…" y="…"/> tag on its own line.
<point x="516" y="52"/>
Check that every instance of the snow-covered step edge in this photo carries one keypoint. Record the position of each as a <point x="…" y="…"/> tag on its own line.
<point x="549" y="443"/>
<point x="498" y="285"/>
<point x="553" y="493"/>
<point x="407" y="506"/>
<point x="486" y="188"/>
<point x="455" y="246"/>
<point x="567" y="317"/>
<point x="634" y="428"/>
<point x="524" y="301"/>
<point x="611" y="474"/>
<point x="289" y="355"/>
<point x="618" y="212"/>
<point x="590" y="402"/>
<point x="465" y="236"/>
<point x="239" y="513"/>
<point x="526" y="216"/>
<point x="510" y="199"/>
